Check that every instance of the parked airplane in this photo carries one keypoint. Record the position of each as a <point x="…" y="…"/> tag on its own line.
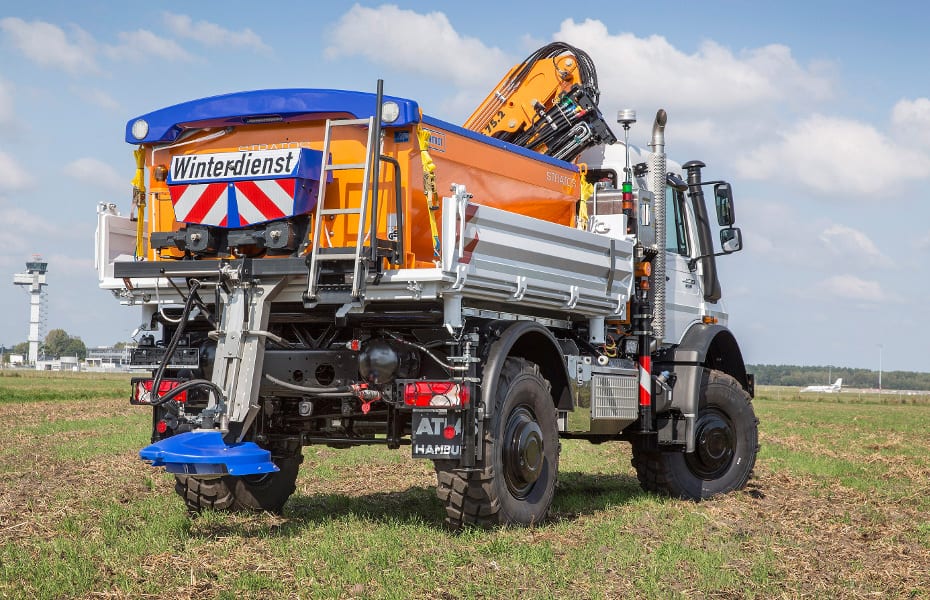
<point x="829" y="389"/>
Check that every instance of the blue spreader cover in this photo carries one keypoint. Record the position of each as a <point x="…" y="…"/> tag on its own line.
<point x="205" y="453"/>
<point x="232" y="110"/>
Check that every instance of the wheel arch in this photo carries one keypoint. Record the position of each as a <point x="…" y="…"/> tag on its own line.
<point x="533" y="342"/>
<point x="714" y="347"/>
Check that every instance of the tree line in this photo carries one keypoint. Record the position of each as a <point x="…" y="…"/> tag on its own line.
<point x="795" y="375"/>
<point x="57" y="343"/>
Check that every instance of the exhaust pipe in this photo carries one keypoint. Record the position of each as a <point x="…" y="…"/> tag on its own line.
<point x="658" y="170"/>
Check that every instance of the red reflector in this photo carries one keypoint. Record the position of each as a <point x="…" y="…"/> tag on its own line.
<point x="448" y="432"/>
<point x="435" y="393"/>
<point x="161" y="427"/>
<point x="142" y="390"/>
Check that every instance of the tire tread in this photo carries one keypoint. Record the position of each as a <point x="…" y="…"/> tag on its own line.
<point x="469" y="496"/>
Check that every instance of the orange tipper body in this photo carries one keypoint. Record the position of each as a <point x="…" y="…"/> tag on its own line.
<point x="240" y="163"/>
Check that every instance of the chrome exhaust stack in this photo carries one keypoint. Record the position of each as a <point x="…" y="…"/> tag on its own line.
<point x="658" y="170"/>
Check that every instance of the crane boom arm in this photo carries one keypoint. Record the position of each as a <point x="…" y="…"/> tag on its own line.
<point x="547" y="103"/>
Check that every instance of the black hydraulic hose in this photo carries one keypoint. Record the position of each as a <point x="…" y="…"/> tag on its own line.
<point x="172" y="346"/>
<point x="344" y="390"/>
<point x="448" y="368"/>
<point x="203" y="307"/>
<point x="188" y="385"/>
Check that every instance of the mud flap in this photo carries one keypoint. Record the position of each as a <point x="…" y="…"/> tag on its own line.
<point x="436" y="434"/>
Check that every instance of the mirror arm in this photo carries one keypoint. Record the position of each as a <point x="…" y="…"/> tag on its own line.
<point x="692" y="263"/>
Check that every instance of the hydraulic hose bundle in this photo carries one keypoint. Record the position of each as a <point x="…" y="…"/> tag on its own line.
<point x="547" y="103"/>
<point x="571" y="125"/>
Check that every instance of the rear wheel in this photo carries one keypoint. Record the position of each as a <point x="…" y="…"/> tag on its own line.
<point x="726" y="443"/>
<point x="249" y="493"/>
<point x="515" y="482"/>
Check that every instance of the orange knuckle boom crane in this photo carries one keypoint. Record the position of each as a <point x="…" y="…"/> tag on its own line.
<point x="547" y="103"/>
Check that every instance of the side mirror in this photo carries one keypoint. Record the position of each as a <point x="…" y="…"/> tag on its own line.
<point x="731" y="240"/>
<point x="723" y="197"/>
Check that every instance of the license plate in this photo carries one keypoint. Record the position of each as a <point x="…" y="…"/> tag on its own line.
<point x="437" y="434"/>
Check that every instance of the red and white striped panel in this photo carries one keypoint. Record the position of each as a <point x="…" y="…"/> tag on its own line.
<point x="265" y="199"/>
<point x="645" y="380"/>
<point x="204" y="203"/>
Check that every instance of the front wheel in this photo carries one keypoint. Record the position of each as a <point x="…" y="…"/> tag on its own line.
<point x="249" y="493"/>
<point x="726" y="443"/>
<point x="515" y="482"/>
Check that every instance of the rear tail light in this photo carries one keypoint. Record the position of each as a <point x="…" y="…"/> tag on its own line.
<point x="435" y="393"/>
<point x="142" y="390"/>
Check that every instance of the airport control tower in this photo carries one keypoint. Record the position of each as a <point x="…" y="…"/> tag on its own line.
<point x="34" y="277"/>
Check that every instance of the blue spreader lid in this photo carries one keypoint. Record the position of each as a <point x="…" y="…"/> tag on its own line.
<point x="205" y="453"/>
<point x="166" y="124"/>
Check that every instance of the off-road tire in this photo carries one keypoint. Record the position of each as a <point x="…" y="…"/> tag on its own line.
<point x="250" y="493"/>
<point x="501" y="490"/>
<point x="726" y="443"/>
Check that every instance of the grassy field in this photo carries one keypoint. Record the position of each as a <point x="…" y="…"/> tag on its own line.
<point x="837" y="508"/>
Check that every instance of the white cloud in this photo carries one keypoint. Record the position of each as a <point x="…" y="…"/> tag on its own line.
<point x="6" y="103"/>
<point x="21" y="230"/>
<point x="211" y="34"/>
<point x="97" y="97"/>
<point x="142" y="43"/>
<point x="423" y="44"/>
<point x="853" y="246"/>
<point x="13" y="176"/>
<point x="923" y="242"/>
<point x="854" y="289"/>
<point x="71" y="264"/>
<point x="911" y="119"/>
<point x="773" y="233"/>
<point x="847" y="159"/>
<point x="713" y="80"/>
<point x="97" y="173"/>
<point x="49" y="46"/>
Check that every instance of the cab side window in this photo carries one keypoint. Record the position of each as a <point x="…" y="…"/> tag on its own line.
<point x="676" y="234"/>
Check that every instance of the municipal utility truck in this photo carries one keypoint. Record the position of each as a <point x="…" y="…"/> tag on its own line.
<point x="332" y="267"/>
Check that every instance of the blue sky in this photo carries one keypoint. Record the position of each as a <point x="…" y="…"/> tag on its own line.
<point x="817" y="112"/>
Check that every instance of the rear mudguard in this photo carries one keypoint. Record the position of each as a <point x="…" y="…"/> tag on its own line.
<point x="535" y="343"/>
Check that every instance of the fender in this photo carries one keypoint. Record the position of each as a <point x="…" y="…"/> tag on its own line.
<point x="714" y="347"/>
<point x="535" y="343"/>
<point x="702" y="347"/>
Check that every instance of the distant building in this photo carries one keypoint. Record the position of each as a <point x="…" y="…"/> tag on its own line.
<point x="107" y="358"/>
<point x="65" y="363"/>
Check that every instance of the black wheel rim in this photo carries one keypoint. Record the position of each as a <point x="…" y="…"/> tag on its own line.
<point x="523" y="452"/>
<point x="715" y="445"/>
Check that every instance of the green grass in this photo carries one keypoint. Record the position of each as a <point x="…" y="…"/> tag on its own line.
<point x="837" y="485"/>
<point x="35" y="386"/>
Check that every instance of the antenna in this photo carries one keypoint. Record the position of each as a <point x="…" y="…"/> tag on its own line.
<point x="627" y="117"/>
